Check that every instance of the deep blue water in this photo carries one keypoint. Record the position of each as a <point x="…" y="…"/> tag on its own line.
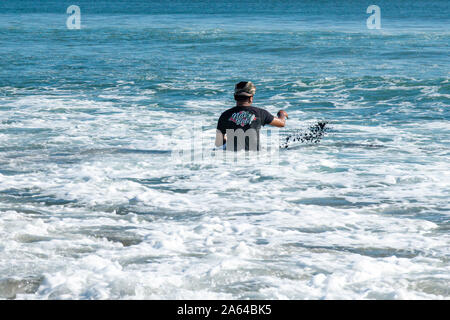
<point x="93" y="206"/>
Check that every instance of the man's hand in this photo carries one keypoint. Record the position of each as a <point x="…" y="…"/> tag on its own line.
<point x="282" y="114"/>
<point x="281" y="120"/>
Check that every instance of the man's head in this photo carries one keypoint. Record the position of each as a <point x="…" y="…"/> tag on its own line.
<point x="244" y="92"/>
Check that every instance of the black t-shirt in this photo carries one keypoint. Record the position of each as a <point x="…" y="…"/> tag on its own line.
<point x="243" y="118"/>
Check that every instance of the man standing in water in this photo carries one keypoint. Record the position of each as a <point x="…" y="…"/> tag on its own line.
<point x="238" y="128"/>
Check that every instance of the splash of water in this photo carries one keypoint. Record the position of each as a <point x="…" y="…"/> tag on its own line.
<point x="313" y="134"/>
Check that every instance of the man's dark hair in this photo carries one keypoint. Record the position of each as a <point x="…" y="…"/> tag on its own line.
<point x="241" y="84"/>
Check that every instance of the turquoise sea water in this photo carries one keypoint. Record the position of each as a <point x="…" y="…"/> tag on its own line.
<point x="93" y="205"/>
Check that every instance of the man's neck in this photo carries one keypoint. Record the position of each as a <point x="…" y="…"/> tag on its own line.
<point x="244" y="104"/>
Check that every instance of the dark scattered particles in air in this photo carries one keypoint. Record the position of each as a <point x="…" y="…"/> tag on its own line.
<point x="312" y="134"/>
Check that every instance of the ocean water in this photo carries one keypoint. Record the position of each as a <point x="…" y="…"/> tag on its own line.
<point x="93" y="204"/>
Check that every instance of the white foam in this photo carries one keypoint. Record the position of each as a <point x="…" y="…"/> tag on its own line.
<point x="337" y="220"/>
